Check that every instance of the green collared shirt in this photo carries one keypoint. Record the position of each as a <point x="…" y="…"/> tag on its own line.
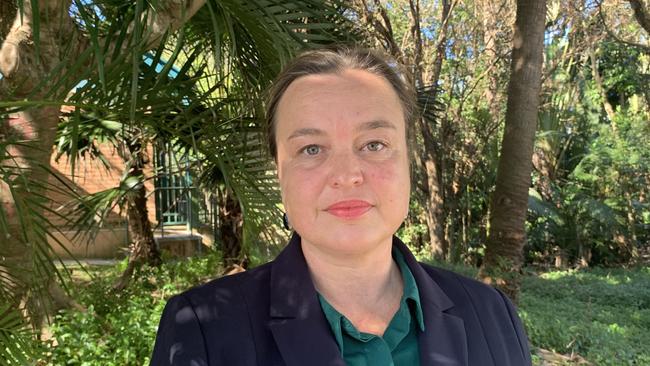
<point x="399" y="344"/>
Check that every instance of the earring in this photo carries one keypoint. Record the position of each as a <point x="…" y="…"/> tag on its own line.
<point x="285" y="222"/>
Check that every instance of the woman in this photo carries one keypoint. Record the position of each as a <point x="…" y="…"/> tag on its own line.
<point x="345" y="291"/>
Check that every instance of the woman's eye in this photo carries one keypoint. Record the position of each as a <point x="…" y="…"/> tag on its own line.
<point x="375" y="146"/>
<point x="311" y="149"/>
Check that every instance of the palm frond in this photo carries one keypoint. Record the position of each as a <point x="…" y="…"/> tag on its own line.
<point x="28" y="264"/>
<point x="17" y="346"/>
<point x="210" y="104"/>
<point x="429" y="104"/>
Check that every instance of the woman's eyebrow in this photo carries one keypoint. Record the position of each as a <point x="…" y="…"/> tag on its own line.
<point x="370" y="125"/>
<point x="376" y="124"/>
<point x="306" y="132"/>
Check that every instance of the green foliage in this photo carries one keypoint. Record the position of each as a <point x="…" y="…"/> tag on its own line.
<point x="119" y="328"/>
<point x="600" y="314"/>
<point x="17" y="339"/>
<point x="596" y="179"/>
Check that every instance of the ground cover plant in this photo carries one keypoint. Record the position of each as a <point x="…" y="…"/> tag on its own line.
<point x="118" y="328"/>
<point x="600" y="314"/>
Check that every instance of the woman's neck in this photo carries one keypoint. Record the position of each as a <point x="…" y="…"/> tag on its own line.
<point x="366" y="288"/>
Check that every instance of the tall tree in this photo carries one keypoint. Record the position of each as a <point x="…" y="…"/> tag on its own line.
<point x="433" y="156"/>
<point x="503" y="257"/>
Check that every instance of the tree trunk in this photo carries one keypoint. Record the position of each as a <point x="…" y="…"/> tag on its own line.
<point x="143" y="249"/>
<point x="434" y="207"/>
<point x="231" y="235"/>
<point x="441" y="42"/>
<point x="28" y="136"/>
<point x="631" y="239"/>
<point x="434" y="204"/>
<point x="609" y="109"/>
<point x="641" y="14"/>
<point x="584" y="255"/>
<point x="490" y="34"/>
<point x="503" y="257"/>
<point x="19" y="194"/>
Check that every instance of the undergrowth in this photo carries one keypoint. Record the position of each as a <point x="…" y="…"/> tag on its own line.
<point x="600" y="314"/>
<point x="119" y="328"/>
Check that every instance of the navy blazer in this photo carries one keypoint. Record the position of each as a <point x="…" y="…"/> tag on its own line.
<point x="271" y="315"/>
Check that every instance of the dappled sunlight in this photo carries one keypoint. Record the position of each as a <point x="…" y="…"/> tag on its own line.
<point x="617" y="329"/>
<point x="600" y="314"/>
<point x="581" y="276"/>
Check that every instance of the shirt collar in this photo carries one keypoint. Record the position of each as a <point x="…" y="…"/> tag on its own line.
<point x="410" y="297"/>
<point x="411" y="294"/>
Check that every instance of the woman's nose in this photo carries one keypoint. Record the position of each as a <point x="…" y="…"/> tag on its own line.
<point x="345" y="170"/>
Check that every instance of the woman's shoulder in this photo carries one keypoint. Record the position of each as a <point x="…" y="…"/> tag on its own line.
<point x="489" y="316"/>
<point x="211" y="314"/>
<point x="469" y="291"/>
<point x="229" y="289"/>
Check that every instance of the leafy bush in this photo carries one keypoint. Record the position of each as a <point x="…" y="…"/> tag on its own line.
<point x="120" y="328"/>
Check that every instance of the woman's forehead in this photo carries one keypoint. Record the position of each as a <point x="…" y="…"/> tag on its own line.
<point x="358" y="97"/>
<point x="345" y="79"/>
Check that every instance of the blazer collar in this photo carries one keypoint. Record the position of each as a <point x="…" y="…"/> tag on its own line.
<point x="297" y="321"/>
<point x="443" y="341"/>
<point x="304" y="337"/>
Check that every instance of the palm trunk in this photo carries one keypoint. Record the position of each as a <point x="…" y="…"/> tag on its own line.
<point x="143" y="248"/>
<point x="503" y="257"/>
<point x="231" y="219"/>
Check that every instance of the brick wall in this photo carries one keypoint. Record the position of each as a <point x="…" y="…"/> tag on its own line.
<point x="91" y="176"/>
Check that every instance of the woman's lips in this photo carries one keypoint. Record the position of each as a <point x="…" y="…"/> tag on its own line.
<point x="349" y="209"/>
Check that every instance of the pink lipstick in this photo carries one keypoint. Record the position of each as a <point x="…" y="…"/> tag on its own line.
<point x="349" y="209"/>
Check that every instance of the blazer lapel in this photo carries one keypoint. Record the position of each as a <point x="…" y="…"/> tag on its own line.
<point x="443" y="342"/>
<point x="298" y="324"/>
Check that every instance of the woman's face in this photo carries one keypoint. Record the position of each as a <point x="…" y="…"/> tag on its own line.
<point x="342" y="160"/>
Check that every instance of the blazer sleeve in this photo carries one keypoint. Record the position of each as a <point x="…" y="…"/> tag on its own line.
<point x="180" y="340"/>
<point x="519" y="328"/>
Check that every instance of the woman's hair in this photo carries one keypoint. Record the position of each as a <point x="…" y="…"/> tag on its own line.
<point x="334" y="60"/>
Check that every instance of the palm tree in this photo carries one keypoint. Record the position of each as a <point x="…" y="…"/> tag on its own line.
<point x="233" y="49"/>
<point x="503" y="255"/>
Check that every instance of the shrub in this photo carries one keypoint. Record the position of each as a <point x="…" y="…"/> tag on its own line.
<point x="119" y="328"/>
